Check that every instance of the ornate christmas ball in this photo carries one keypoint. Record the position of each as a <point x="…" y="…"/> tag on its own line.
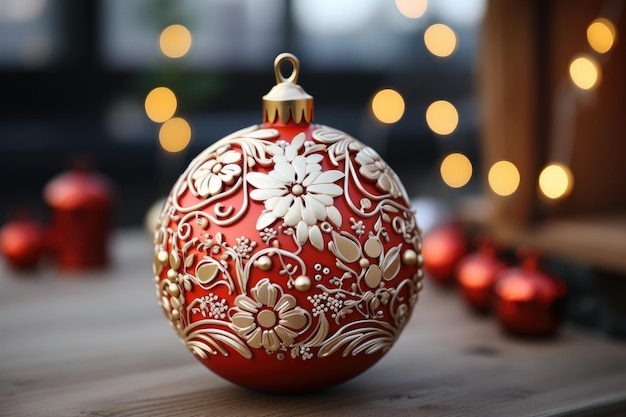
<point x="287" y="255"/>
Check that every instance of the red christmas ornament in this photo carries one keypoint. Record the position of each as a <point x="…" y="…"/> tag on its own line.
<point x="81" y="205"/>
<point x="22" y="243"/>
<point x="528" y="301"/>
<point x="287" y="254"/>
<point x="443" y="248"/>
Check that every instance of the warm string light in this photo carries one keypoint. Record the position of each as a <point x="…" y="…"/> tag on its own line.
<point x="440" y="40"/>
<point x="412" y="9"/>
<point x="456" y="170"/>
<point x="175" y="41"/>
<point x="442" y="117"/>
<point x="388" y="106"/>
<point x="161" y="103"/>
<point x="503" y="178"/>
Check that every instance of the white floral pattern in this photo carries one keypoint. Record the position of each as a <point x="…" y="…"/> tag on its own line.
<point x="268" y="318"/>
<point x="375" y="169"/>
<point x="223" y="168"/>
<point x="298" y="192"/>
<point x="346" y="288"/>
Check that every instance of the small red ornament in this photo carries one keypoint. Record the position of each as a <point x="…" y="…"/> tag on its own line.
<point x="22" y="243"/>
<point x="528" y="301"/>
<point x="81" y="205"/>
<point x="442" y="249"/>
<point x="287" y="254"/>
<point x="477" y="273"/>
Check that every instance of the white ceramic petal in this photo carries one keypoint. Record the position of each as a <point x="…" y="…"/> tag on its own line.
<point x="215" y="185"/>
<point x="276" y="150"/>
<point x="282" y="206"/>
<point x="325" y="200"/>
<point x="230" y="157"/>
<point x="298" y="141"/>
<point x="299" y="165"/>
<point x="260" y="180"/>
<point x="294" y="214"/>
<point x="334" y="215"/>
<point x="332" y="190"/>
<point x="329" y="176"/>
<point x="262" y="194"/>
<point x="316" y="207"/>
<point x="315" y="158"/>
<point x="307" y="215"/>
<point x="284" y="172"/>
<point x="264" y="220"/>
<point x="302" y="233"/>
<point x="316" y="239"/>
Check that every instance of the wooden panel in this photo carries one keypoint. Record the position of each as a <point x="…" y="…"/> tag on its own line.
<point x="96" y="344"/>
<point x="508" y="93"/>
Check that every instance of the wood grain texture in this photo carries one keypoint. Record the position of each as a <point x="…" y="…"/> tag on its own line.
<point x="97" y="344"/>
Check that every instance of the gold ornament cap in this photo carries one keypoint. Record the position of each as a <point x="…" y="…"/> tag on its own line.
<point x="287" y="99"/>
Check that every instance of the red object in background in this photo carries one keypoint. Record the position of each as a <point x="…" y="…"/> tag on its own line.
<point x="477" y="274"/>
<point x="442" y="249"/>
<point x="81" y="204"/>
<point x="22" y="243"/>
<point x="528" y="301"/>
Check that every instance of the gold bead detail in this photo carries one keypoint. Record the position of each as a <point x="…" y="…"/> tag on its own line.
<point x="302" y="283"/>
<point x="163" y="257"/>
<point x="173" y="289"/>
<point x="172" y="274"/>
<point x="409" y="257"/>
<point x="264" y="263"/>
<point x="364" y="263"/>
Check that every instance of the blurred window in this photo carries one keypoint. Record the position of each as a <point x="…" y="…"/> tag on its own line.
<point x="29" y="33"/>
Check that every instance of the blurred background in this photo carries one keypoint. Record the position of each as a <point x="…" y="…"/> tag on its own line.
<point x="499" y="115"/>
<point x="76" y="77"/>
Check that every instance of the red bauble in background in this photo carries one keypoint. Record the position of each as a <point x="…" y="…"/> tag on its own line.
<point x="287" y="254"/>
<point x="22" y="242"/>
<point x="528" y="301"/>
<point x="477" y="273"/>
<point x="442" y="249"/>
<point x="81" y="205"/>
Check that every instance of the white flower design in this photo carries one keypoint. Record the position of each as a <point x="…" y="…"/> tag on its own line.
<point x="222" y="168"/>
<point x="269" y="318"/>
<point x="375" y="169"/>
<point x="297" y="191"/>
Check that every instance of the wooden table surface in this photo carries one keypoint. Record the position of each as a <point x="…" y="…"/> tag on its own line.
<point x="97" y="344"/>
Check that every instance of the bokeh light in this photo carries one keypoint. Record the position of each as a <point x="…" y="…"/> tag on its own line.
<point x="388" y="106"/>
<point x="503" y="178"/>
<point x="175" y="41"/>
<point x="440" y="40"/>
<point x="601" y="35"/>
<point x="412" y="9"/>
<point x="175" y="135"/>
<point x="556" y="181"/>
<point x="160" y="104"/>
<point x="456" y="170"/>
<point x="585" y="72"/>
<point x="442" y="117"/>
